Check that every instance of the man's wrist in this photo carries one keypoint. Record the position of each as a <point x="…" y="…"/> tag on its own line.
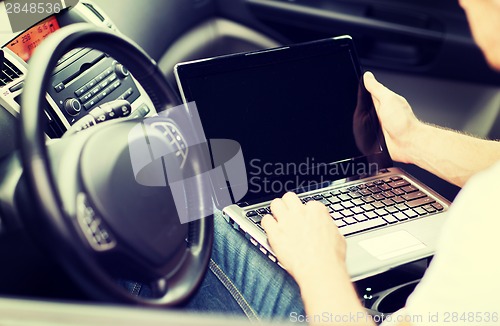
<point x="324" y="279"/>
<point x="333" y="293"/>
<point x="410" y="147"/>
<point x="307" y="272"/>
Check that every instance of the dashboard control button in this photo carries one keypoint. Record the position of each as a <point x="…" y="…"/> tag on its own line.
<point x="95" y="90"/>
<point x="100" y="77"/>
<point x="59" y="87"/>
<point x="108" y="71"/>
<point x="109" y="89"/>
<point x="121" y="71"/>
<point x="128" y="93"/>
<point x="16" y="87"/>
<point x="115" y="85"/>
<point x="103" y="75"/>
<point x="86" y="97"/>
<point x="79" y="92"/>
<point x="104" y="84"/>
<point x="112" y="78"/>
<point x="144" y="110"/>
<point x="91" y="83"/>
<point x="92" y="226"/>
<point x="72" y="106"/>
<point x="104" y="93"/>
<point x="91" y="103"/>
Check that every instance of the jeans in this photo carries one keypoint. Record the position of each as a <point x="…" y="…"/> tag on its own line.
<point x="241" y="280"/>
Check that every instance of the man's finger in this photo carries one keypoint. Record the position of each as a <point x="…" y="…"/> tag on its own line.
<point x="274" y="233"/>
<point x="378" y="90"/>
<point x="292" y="201"/>
<point x="269" y="224"/>
<point x="278" y="208"/>
<point x="316" y="208"/>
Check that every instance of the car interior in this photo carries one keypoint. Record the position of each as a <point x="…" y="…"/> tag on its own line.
<point x="108" y="63"/>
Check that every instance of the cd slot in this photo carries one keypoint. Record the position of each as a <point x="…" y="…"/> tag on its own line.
<point x="83" y="68"/>
<point x="75" y="69"/>
<point x="73" y="55"/>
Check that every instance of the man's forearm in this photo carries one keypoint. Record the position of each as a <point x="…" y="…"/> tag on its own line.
<point x="451" y="155"/>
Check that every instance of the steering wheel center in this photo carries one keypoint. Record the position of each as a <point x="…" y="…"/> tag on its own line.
<point x="143" y="215"/>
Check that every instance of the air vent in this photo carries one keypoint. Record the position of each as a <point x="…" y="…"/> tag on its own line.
<point x="9" y="73"/>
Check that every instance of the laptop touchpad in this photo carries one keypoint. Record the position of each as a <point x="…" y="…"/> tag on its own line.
<point x="391" y="245"/>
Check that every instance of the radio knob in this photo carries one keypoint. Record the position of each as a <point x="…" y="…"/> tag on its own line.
<point x="121" y="71"/>
<point x="72" y="106"/>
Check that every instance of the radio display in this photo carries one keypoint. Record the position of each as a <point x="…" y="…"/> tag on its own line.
<point x="26" y="43"/>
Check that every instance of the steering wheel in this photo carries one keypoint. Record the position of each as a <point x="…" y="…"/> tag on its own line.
<point x="90" y="211"/>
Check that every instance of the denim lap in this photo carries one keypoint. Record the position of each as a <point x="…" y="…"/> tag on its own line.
<point x="240" y="281"/>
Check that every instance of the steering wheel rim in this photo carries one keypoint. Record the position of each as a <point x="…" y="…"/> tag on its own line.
<point x="184" y="278"/>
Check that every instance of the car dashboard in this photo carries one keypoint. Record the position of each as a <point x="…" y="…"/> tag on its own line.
<point x="82" y="80"/>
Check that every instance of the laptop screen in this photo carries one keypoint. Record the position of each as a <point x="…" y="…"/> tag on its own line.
<point x="299" y="114"/>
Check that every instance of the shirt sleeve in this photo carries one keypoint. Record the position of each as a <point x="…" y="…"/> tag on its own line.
<point x="462" y="285"/>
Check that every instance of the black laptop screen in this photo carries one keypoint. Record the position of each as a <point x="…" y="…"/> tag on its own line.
<point x="293" y="111"/>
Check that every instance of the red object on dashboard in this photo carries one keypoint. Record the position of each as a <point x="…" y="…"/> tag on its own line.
<point x="26" y="43"/>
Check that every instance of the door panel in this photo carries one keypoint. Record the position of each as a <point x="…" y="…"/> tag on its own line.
<point x="419" y="37"/>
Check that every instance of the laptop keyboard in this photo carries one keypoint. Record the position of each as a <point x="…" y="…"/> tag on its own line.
<point x="369" y="205"/>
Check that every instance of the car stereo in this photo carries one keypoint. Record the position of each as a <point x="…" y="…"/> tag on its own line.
<point x="88" y="78"/>
<point x="83" y="78"/>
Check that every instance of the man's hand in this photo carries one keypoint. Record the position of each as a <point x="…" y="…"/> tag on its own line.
<point x="398" y="122"/>
<point x="309" y="245"/>
<point x="305" y="239"/>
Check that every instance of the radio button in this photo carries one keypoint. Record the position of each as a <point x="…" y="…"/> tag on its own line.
<point x="79" y="92"/>
<point x="104" y="84"/>
<point x="103" y="75"/>
<point x="108" y="71"/>
<point x="128" y="93"/>
<point x="86" y="97"/>
<point x="90" y="104"/>
<point x="104" y="93"/>
<point x="115" y="85"/>
<point x="59" y="87"/>
<point x="99" y="77"/>
<point x="108" y="90"/>
<point x="72" y="106"/>
<point x="121" y="71"/>
<point x="95" y="91"/>
<point x="112" y="78"/>
<point x="91" y="83"/>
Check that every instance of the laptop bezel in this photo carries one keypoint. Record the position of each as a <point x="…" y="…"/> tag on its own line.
<point x="198" y="68"/>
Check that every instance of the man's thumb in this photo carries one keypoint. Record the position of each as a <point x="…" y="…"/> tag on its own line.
<point x="374" y="87"/>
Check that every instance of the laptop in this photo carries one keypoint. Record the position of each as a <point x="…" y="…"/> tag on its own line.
<point x="306" y="123"/>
